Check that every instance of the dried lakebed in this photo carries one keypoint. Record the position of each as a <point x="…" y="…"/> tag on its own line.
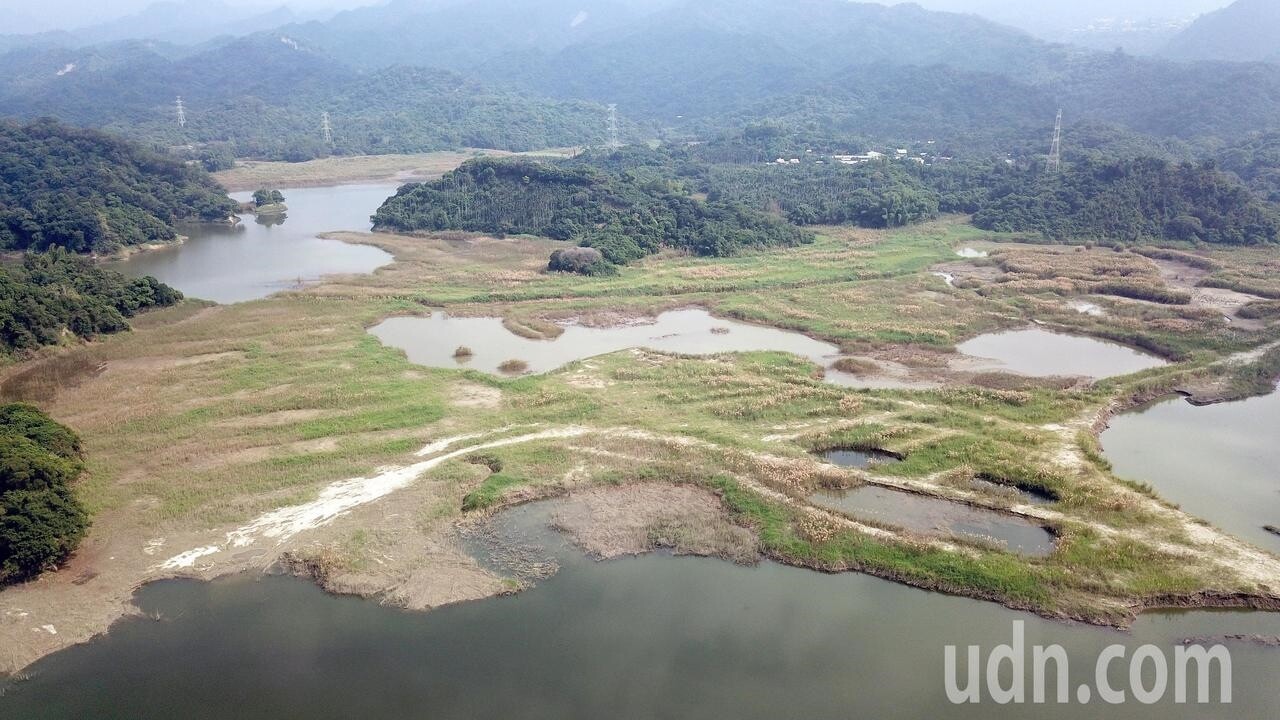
<point x="640" y="637"/>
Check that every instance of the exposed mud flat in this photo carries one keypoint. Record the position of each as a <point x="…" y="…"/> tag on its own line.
<point x="609" y="522"/>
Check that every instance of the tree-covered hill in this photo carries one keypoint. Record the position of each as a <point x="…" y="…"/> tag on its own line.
<point x="87" y="192"/>
<point x="622" y="216"/>
<point x="49" y="295"/>
<point x="1134" y="201"/>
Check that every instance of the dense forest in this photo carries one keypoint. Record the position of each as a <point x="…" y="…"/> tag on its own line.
<point x="53" y="293"/>
<point x="1132" y="201"/>
<point x="88" y="192"/>
<point x="622" y="216"/>
<point x="41" y="521"/>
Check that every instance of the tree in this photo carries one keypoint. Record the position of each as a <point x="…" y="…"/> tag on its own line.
<point x="267" y="197"/>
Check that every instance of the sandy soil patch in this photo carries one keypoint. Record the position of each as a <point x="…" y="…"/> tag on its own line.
<point x="471" y="395"/>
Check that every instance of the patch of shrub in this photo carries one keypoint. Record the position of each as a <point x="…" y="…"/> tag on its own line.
<point x="580" y="260"/>
<point x="514" y="367"/>
<point x="855" y="366"/>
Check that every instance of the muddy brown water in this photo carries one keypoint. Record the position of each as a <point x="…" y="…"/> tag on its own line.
<point x="861" y="459"/>
<point x="939" y="517"/>
<point x="1041" y="353"/>
<point x="432" y="341"/>
<point x="261" y="256"/>
<point x="646" y="637"/>
<point x="1218" y="462"/>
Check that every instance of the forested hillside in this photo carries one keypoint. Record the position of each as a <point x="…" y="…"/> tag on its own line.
<point x="87" y="192"/>
<point x="47" y="295"/>
<point x="1134" y="201"/>
<point x="265" y="95"/>
<point x="416" y="76"/>
<point x="621" y="216"/>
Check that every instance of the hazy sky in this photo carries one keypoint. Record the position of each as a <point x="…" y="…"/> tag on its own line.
<point x="39" y="15"/>
<point x="1069" y="14"/>
<point x="30" y="15"/>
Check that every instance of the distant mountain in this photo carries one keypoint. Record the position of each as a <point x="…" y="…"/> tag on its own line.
<point x="494" y="34"/>
<point x="1247" y="30"/>
<point x="460" y="34"/>
<point x="403" y="76"/>
<point x="265" y="94"/>
<point x="183" y="22"/>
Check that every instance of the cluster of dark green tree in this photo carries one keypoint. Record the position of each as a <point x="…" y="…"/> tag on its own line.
<point x="86" y="191"/>
<point x="622" y="215"/>
<point x="41" y="520"/>
<point x="1135" y="200"/>
<point x="53" y="293"/>
<point x="265" y="197"/>
<point x="876" y="194"/>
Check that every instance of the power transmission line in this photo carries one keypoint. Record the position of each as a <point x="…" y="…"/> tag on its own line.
<point x="1055" y="151"/>
<point x="614" y="141"/>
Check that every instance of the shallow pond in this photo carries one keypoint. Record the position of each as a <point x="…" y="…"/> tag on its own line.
<point x="1219" y="462"/>
<point x="644" y="637"/>
<point x="432" y="341"/>
<point x="263" y="255"/>
<point x="1042" y="353"/>
<point x="861" y="459"/>
<point x="935" y="516"/>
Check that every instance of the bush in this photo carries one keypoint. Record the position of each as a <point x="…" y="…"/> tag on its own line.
<point x="580" y="260"/>
<point x="41" y="522"/>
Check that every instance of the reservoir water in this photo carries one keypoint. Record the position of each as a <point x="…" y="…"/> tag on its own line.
<point x="263" y="255"/>
<point x="646" y="637"/>
<point x="1219" y="462"/>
